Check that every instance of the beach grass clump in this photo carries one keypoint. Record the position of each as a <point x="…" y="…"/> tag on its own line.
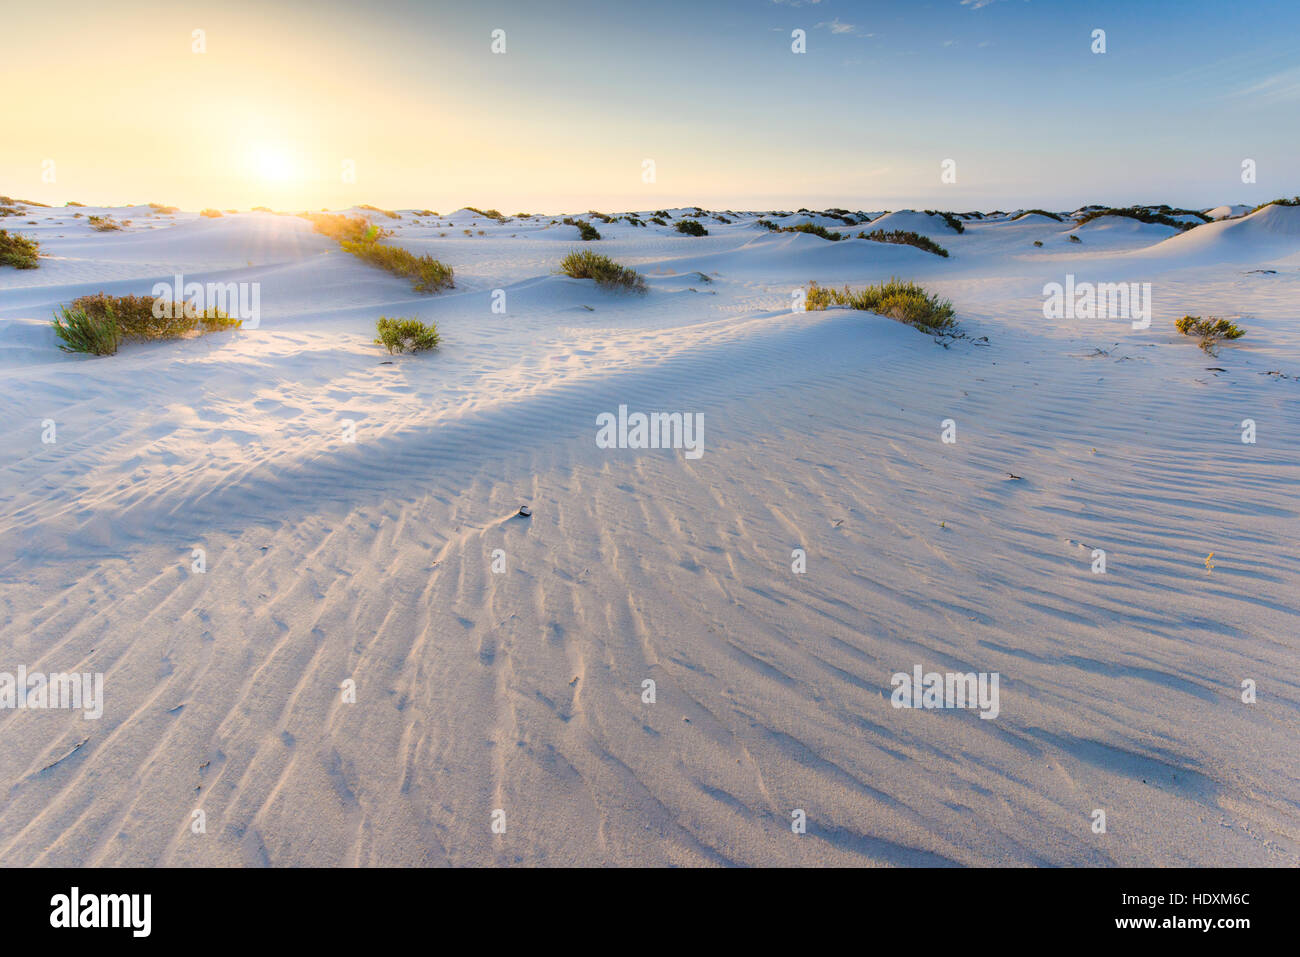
<point x="1209" y="332"/>
<point x="106" y="224"/>
<point x="152" y="318"/>
<point x="585" y="264"/>
<point x="426" y="273"/>
<point x="18" y="251"/>
<point x="341" y="228"/>
<point x="691" y="227"/>
<point x="375" y="209"/>
<point x="905" y="237"/>
<point x="210" y="213"/>
<point x="896" y="299"/>
<point x="486" y="213"/>
<point x="163" y="209"/>
<point x="406" y="335"/>
<point x="81" y="332"/>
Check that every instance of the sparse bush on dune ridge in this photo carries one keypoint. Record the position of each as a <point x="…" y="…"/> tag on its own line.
<point x="948" y="218"/>
<point x="1142" y="215"/>
<point x="1040" y="212"/>
<point x="360" y="237"/>
<point x="426" y="273"/>
<point x="586" y="231"/>
<point x="1283" y="201"/>
<point x="904" y="301"/>
<point x="691" y="227"/>
<point x="18" y="251"/>
<point x="585" y="264"/>
<point x="903" y="237"/>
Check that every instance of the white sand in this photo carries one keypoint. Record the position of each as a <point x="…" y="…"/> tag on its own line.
<point x="522" y="691"/>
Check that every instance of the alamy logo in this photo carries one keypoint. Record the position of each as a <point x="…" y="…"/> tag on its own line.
<point x="949" y="690"/>
<point x="38" y="691"/>
<point x="1103" y="300"/>
<point x="654" y="430"/>
<point x="103" y="910"/>
<point x="238" y="300"/>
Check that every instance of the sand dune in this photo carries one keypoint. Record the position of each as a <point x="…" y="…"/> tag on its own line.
<point x="329" y="560"/>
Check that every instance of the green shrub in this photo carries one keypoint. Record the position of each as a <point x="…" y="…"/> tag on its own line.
<point x="1209" y="331"/>
<point x="821" y="231"/>
<point x="81" y="332"/>
<point x="150" y="319"/>
<point x="1040" y="212"/>
<point x="586" y="231"/>
<point x="210" y="213"/>
<point x="904" y="301"/>
<point x="406" y="335"/>
<point x="426" y="273"/>
<point x="691" y="227"/>
<point x="769" y="225"/>
<point x="1139" y="213"/>
<point x="1038" y="242"/>
<point x="585" y="264"/>
<point x="948" y="218"/>
<point x="658" y="221"/>
<point x="104" y="224"/>
<point x="1075" y="239"/>
<point x="486" y="213"/>
<point x="18" y="251"/>
<point x="903" y="237"/>
<point x="1278" y="202"/>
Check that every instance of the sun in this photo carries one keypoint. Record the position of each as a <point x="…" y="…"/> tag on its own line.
<point x="273" y="165"/>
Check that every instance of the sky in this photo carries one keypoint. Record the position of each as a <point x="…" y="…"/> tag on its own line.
<point x="403" y="103"/>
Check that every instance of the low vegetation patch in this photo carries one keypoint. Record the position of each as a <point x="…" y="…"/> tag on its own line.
<point x="99" y="323"/>
<point x="360" y="237"/>
<point x="904" y="301"/>
<point x="375" y="209"/>
<point x="341" y="228"/>
<point x="164" y="210"/>
<point x="585" y="264"/>
<point x="106" y="224"/>
<point x="405" y="335"/>
<point x="904" y="237"/>
<point x="18" y="251"/>
<point x="486" y="213"/>
<point x="586" y="231"/>
<point x="1209" y="332"/>
<point x="426" y="273"/>
<point x="948" y="218"/>
<point x="691" y="227"/>
<point x="210" y="213"/>
<point x="1040" y="212"/>
<point x="1141" y="214"/>
<point x="150" y="318"/>
<point x="813" y="230"/>
<point x="1295" y="201"/>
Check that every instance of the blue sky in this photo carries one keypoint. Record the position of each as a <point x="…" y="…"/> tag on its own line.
<point x="410" y="91"/>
